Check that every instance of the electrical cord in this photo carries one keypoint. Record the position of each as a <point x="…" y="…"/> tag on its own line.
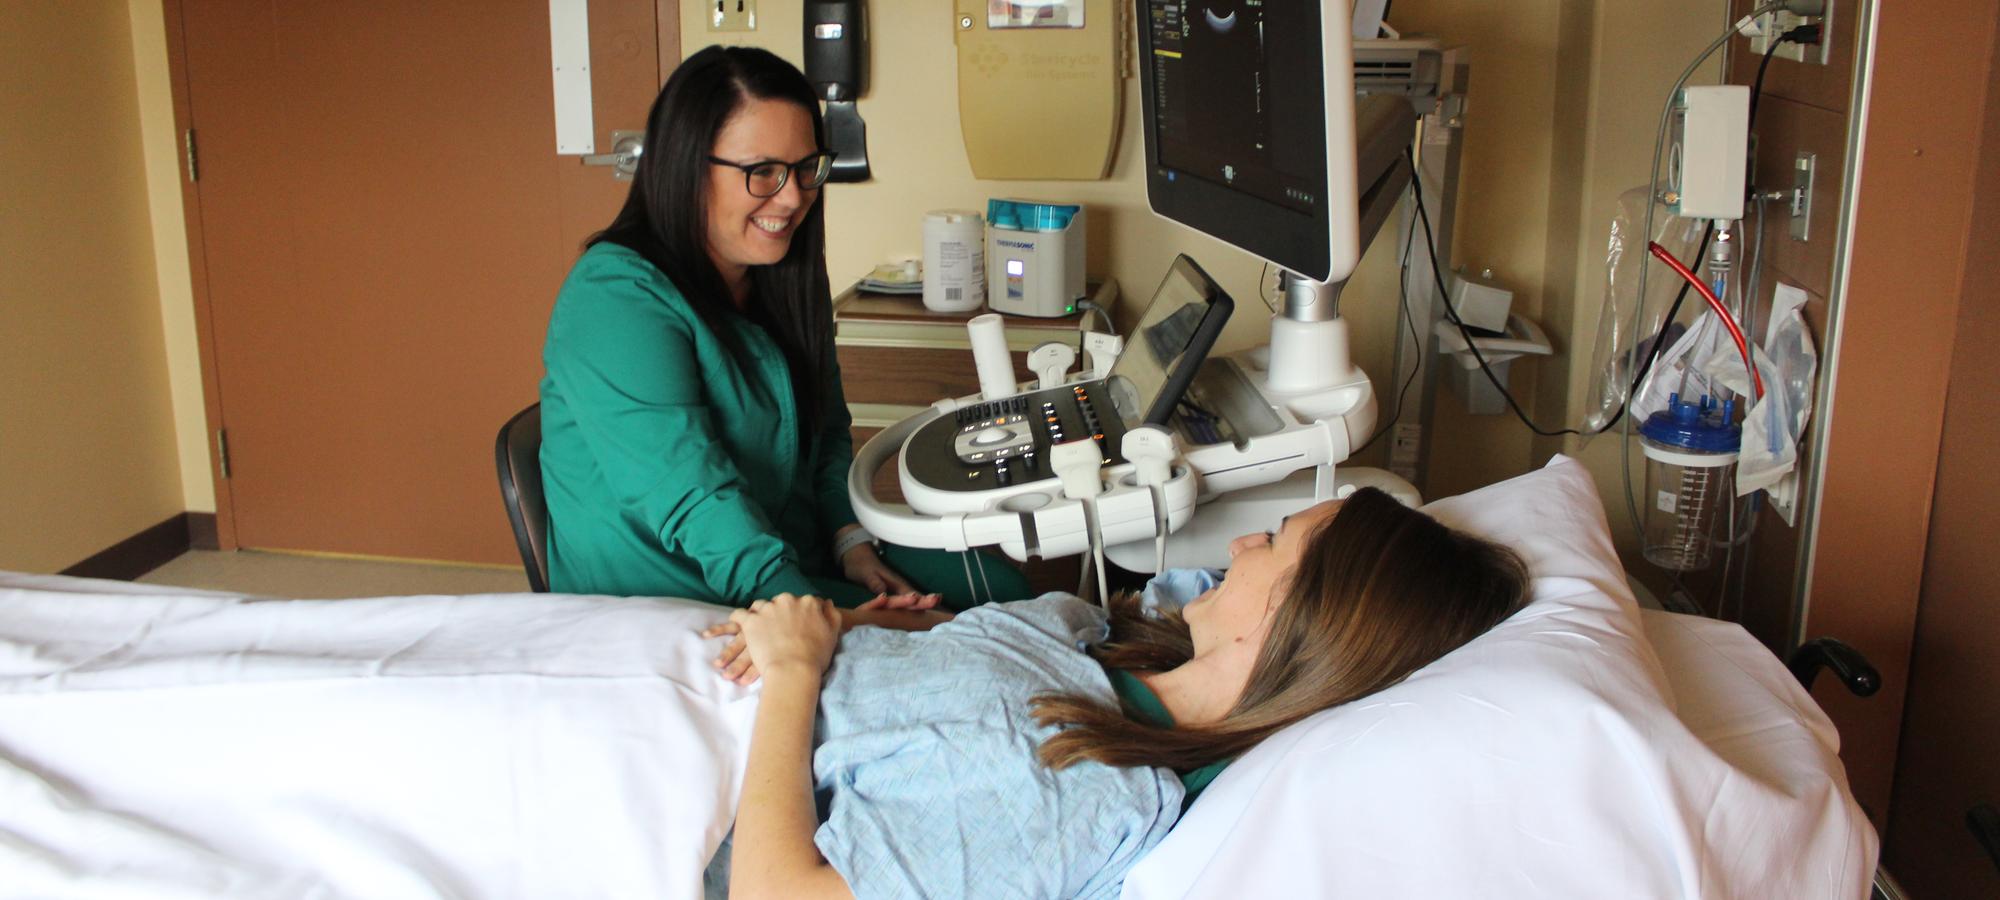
<point x="1263" y="280"/>
<point x="1102" y="314"/>
<point x="1416" y="187"/>
<point x="1659" y="341"/>
<point x="1095" y="534"/>
<point x="1403" y="298"/>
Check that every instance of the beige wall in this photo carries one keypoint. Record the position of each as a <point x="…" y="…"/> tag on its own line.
<point x="1561" y="121"/>
<point x="1634" y="51"/>
<point x="86" y="420"/>
<point x="1563" y="99"/>
<point x="921" y="165"/>
<point x="163" y="198"/>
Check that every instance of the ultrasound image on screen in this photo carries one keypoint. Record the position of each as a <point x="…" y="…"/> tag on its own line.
<point x="1237" y="96"/>
<point x="1225" y="54"/>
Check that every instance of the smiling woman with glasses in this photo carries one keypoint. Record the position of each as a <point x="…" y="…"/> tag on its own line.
<point x="695" y="440"/>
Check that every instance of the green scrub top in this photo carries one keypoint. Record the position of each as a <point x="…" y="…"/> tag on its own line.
<point x="1144" y="705"/>
<point x="671" y="467"/>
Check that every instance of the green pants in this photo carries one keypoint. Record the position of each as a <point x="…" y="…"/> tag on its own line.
<point x="993" y="578"/>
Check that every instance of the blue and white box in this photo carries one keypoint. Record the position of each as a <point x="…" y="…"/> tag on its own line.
<point x="1034" y="257"/>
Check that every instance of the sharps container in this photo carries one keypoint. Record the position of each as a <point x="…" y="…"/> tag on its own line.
<point x="1690" y="479"/>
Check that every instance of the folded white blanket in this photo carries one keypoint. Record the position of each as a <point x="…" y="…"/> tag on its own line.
<point x="169" y="743"/>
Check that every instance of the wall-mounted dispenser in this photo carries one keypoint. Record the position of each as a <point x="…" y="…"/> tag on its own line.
<point x="836" y="51"/>
<point x="1039" y="93"/>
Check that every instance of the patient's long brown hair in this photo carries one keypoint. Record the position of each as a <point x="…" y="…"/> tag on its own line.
<point x="1380" y="592"/>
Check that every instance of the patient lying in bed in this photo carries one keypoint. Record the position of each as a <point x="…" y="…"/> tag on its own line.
<point x="1034" y="749"/>
<point x="161" y="742"/>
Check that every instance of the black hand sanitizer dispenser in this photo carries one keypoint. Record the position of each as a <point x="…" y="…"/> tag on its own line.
<point x="836" y="36"/>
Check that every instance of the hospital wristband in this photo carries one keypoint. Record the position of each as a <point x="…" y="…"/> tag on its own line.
<point x="851" y="540"/>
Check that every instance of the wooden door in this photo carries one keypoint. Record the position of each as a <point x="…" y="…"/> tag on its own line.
<point x="383" y="223"/>
<point x="1948" y="764"/>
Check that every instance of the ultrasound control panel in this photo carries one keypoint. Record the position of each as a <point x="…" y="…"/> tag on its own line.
<point x="1002" y="443"/>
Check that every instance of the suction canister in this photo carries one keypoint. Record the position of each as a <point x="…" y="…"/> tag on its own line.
<point x="1691" y="455"/>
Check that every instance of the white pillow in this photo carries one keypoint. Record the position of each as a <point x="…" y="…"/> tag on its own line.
<point x="1543" y="759"/>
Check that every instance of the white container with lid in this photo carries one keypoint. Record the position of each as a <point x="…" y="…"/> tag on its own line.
<point x="954" y="260"/>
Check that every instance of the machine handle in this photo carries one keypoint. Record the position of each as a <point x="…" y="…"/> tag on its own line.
<point x="1853" y="669"/>
<point x="894" y="526"/>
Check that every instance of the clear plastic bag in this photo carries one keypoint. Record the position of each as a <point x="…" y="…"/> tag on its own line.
<point x="1704" y="362"/>
<point x="1620" y="347"/>
<point x="1771" y="429"/>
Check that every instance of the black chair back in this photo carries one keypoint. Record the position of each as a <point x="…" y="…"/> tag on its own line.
<point x="517" y="452"/>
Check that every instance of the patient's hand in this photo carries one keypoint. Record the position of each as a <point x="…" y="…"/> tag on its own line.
<point x="787" y="632"/>
<point x="908" y="612"/>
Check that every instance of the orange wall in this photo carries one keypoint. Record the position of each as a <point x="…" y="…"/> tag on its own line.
<point x="1894" y="332"/>
<point x="87" y="446"/>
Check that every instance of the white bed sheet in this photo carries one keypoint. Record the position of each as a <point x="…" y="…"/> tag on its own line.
<point x="496" y="746"/>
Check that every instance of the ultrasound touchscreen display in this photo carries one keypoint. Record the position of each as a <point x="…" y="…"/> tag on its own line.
<point x="1180" y="326"/>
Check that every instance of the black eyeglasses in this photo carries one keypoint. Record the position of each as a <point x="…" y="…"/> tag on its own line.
<point x="767" y="177"/>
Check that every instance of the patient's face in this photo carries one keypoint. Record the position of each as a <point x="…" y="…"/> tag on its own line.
<point x="1239" y="609"/>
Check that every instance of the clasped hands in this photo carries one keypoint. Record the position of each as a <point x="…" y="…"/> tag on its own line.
<point x="792" y="633"/>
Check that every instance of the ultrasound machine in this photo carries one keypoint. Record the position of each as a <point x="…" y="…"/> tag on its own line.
<point x="1255" y="136"/>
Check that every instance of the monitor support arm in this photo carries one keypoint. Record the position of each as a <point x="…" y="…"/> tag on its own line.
<point x="1308" y="340"/>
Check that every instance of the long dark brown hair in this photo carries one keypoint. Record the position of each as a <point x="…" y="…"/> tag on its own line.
<point x="665" y="217"/>
<point x="1381" y="591"/>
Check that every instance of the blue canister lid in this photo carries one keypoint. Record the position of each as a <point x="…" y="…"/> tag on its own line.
<point x="1028" y="215"/>
<point x="1706" y="428"/>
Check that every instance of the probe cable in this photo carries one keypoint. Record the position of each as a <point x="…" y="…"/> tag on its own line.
<point x="1403" y="298"/>
<point x="1444" y="293"/>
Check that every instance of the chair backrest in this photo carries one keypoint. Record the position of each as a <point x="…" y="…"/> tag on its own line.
<point x="517" y="452"/>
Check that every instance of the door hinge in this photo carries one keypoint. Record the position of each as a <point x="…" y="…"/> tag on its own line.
<point x="194" y="170"/>
<point x="222" y="450"/>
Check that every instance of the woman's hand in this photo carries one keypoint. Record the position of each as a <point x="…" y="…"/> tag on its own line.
<point x="909" y="612"/>
<point x="786" y="634"/>
<point x="863" y="566"/>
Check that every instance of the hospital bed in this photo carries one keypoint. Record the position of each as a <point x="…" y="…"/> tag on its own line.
<point x="161" y="742"/>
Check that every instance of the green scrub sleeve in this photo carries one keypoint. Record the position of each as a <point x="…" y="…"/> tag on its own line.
<point x="628" y="358"/>
<point x="836" y="454"/>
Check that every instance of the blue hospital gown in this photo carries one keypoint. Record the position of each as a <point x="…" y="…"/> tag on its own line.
<point x="925" y="764"/>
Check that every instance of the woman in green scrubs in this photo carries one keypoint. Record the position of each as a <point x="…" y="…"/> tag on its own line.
<point x="694" y="434"/>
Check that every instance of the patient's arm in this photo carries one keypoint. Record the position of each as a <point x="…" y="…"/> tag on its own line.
<point x="774" y="854"/>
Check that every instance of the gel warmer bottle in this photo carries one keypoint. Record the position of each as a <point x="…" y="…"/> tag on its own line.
<point x="1690" y="474"/>
<point x="1034" y="257"/>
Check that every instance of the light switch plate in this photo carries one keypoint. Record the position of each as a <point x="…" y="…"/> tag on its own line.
<point x="732" y="15"/>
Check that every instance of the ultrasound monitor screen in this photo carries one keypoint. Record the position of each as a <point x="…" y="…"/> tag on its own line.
<point x="1237" y="97"/>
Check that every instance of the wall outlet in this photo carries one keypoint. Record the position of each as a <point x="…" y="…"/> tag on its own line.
<point x="1772" y="25"/>
<point x="732" y="15"/>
